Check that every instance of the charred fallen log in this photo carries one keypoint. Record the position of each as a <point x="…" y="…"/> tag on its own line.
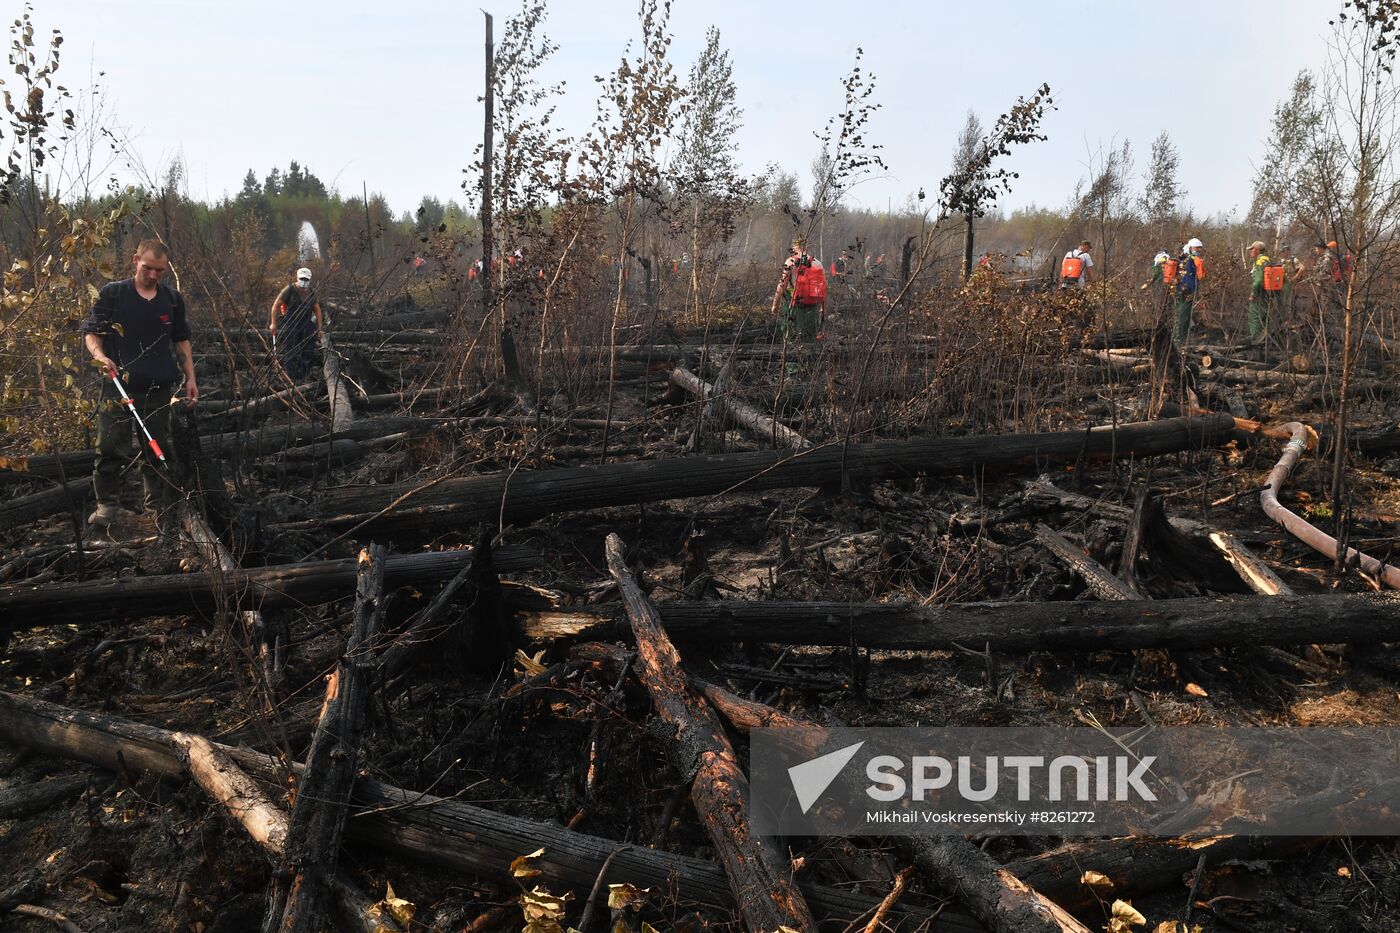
<point x="250" y="443"/>
<point x="204" y="594"/>
<point x="766" y="429"/>
<point x="994" y="894"/>
<point x="1046" y="626"/>
<point x="1138" y="865"/>
<point x="519" y="495"/>
<point x="45" y="502"/>
<point x="445" y="833"/>
<point x="701" y="753"/>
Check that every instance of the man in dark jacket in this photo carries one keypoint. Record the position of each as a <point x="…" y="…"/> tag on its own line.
<point x="296" y="316"/>
<point x="136" y="328"/>
<point x="1190" y="270"/>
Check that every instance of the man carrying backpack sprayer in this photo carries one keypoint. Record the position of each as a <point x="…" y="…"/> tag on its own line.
<point x="134" y="328"/>
<point x="1265" y="292"/>
<point x="802" y="292"/>
<point x="1191" y="268"/>
<point x="1074" y="268"/>
<point x="297" y="315"/>
<point x="1161" y="279"/>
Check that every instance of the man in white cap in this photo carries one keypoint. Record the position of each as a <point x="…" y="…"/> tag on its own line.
<point x="296" y="315"/>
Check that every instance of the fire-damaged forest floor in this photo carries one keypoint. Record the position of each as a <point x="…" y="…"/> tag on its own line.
<point x="554" y="725"/>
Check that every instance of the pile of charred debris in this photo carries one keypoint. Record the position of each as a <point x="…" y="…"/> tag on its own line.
<point x="426" y="658"/>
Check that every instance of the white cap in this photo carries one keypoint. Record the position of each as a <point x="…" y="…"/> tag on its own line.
<point x="303" y="274"/>
<point x="1194" y="243"/>
<point x="1160" y="258"/>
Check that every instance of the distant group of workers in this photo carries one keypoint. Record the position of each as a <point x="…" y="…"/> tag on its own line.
<point x="1175" y="281"/>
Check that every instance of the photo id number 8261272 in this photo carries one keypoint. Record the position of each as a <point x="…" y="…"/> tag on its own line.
<point x="1063" y="816"/>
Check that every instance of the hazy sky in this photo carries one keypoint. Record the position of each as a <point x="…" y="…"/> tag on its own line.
<point x="386" y="93"/>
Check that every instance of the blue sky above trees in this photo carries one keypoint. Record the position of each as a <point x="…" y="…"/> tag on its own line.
<point x="387" y="93"/>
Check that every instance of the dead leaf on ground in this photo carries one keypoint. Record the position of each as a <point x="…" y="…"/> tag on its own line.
<point x="623" y="896"/>
<point x="524" y="866"/>
<point x="1098" y="881"/>
<point x="1124" y="917"/>
<point x="529" y="665"/>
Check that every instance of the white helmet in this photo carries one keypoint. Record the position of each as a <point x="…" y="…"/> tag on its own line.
<point x="1194" y="243"/>
<point x="1160" y="258"/>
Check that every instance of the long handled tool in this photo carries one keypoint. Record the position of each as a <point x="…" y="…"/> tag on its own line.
<point x="126" y="400"/>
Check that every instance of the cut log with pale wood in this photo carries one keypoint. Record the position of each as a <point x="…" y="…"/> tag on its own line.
<point x="447" y="834"/>
<point x="221" y="565"/>
<point x="1252" y="570"/>
<point x="762" y="427"/>
<point x="240" y="796"/>
<point x="1073" y="625"/>
<point x="520" y="495"/>
<point x="337" y="386"/>
<point x="204" y="594"/>
<point x="324" y="788"/>
<point x="1101" y="583"/>
<point x="1180" y="543"/>
<point x="700" y="752"/>
<point x="264" y="821"/>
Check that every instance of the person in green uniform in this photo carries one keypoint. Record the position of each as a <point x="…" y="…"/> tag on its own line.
<point x="1261" y="301"/>
<point x="802" y="294"/>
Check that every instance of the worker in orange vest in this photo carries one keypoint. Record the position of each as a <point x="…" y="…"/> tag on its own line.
<point x="1162" y="278"/>
<point x="1074" y="268"/>
<point x="1191" y="268"/>
<point x="1265" y="291"/>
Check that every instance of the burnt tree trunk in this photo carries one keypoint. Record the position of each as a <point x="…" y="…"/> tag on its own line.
<point x="204" y="593"/>
<point x="760" y="426"/>
<point x="758" y="872"/>
<point x="323" y="791"/>
<point x="993" y="894"/>
<point x="447" y="834"/>
<point x="525" y="495"/>
<point x="1079" y="625"/>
